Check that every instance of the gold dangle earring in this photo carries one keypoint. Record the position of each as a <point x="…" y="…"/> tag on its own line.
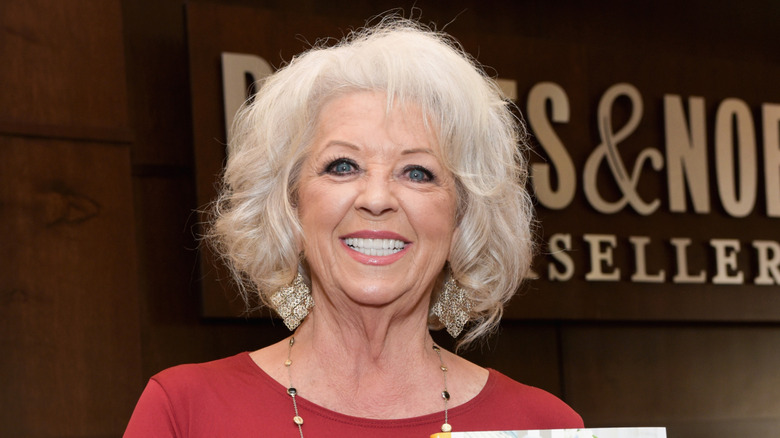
<point x="452" y="307"/>
<point x="293" y="302"/>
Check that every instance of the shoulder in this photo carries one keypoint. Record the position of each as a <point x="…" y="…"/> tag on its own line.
<point x="205" y="400"/>
<point x="536" y="407"/>
<point x="223" y="374"/>
<point x="206" y="370"/>
<point x="200" y="384"/>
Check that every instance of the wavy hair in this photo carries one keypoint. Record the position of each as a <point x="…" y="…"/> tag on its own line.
<point x="255" y="227"/>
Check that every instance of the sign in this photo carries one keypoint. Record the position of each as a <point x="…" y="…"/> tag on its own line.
<point x="657" y="183"/>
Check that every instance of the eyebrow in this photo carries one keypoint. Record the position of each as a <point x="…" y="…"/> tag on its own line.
<point x="417" y="151"/>
<point x="341" y="143"/>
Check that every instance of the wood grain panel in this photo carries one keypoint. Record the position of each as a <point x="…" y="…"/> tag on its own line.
<point x="68" y="305"/>
<point x="526" y="352"/>
<point x="699" y="380"/>
<point x="156" y="59"/>
<point x="63" y="69"/>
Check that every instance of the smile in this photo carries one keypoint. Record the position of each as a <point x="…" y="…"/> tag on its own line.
<point x="375" y="247"/>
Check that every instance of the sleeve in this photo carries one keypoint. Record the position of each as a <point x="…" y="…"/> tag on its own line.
<point x="153" y="415"/>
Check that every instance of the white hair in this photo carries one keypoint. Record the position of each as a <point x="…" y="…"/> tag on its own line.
<point x="256" y="228"/>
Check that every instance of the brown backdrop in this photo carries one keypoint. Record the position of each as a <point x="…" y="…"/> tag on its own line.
<point x="100" y="286"/>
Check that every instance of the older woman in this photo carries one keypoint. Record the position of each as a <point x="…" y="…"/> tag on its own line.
<point x="374" y="191"/>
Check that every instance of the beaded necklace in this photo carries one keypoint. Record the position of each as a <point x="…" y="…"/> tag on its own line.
<point x="298" y="420"/>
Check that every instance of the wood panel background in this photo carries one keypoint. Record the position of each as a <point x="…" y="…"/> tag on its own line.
<point x="99" y="277"/>
<point x="69" y="326"/>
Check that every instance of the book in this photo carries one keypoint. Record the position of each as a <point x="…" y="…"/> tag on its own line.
<point x="598" y="432"/>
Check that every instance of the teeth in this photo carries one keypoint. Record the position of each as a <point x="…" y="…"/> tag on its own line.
<point x="375" y="247"/>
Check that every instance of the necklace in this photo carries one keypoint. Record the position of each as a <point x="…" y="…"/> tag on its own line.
<point x="298" y="420"/>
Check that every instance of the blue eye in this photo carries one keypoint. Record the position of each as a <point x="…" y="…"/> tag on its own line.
<point x="342" y="166"/>
<point x="419" y="174"/>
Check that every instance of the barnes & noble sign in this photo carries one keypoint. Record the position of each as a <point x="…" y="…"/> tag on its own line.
<point x="657" y="183"/>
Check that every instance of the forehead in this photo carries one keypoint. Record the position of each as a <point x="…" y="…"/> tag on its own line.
<point x="368" y="117"/>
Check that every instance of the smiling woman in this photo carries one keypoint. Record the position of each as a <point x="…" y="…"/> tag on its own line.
<point x="373" y="175"/>
<point x="374" y="191"/>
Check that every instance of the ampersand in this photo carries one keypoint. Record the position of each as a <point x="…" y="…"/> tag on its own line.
<point x="608" y="149"/>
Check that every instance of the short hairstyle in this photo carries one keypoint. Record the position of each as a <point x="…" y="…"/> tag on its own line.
<point x="255" y="227"/>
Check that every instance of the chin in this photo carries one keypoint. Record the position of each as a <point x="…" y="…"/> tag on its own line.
<point x="374" y="296"/>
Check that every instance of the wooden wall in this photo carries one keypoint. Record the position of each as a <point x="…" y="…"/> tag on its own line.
<point x="71" y="356"/>
<point x="99" y="278"/>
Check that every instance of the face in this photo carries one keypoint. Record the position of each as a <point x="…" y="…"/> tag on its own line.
<point x="376" y="205"/>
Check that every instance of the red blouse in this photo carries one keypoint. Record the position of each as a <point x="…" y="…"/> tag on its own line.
<point x="233" y="397"/>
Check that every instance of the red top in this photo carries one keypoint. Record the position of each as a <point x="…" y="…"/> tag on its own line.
<point x="233" y="397"/>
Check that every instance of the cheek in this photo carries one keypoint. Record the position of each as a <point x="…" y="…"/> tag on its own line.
<point x="435" y="218"/>
<point x="321" y="206"/>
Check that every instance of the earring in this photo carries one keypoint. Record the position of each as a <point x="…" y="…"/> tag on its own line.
<point x="452" y="307"/>
<point x="293" y="302"/>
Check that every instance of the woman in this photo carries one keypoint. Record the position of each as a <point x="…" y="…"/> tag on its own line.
<point x="373" y="190"/>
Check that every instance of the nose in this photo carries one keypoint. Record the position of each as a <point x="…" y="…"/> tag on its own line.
<point x="377" y="197"/>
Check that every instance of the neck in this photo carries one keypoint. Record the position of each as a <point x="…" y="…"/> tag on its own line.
<point x="373" y="348"/>
<point x="368" y="366"/>
<point x="365" y="333"/>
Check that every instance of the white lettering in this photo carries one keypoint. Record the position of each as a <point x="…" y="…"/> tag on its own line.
<point x="686" y="154"/>
<point x="561" y="162"/>
<point x="726" y="251"/>
<point x="237" y="70"/>
<point x="559" y="244"/>
<point x="738" y="200"/>
<point x="641" y="275"/>
<point x="601" y="258"/>
<point x="771" y="122"/>
<point x="681" y="244"/>
<point x="768" y="262"/>
<point x="608" y="150"/>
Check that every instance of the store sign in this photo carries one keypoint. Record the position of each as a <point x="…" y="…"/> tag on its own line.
<point x="683" y="159"/>
<point x="656" y="175"/>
